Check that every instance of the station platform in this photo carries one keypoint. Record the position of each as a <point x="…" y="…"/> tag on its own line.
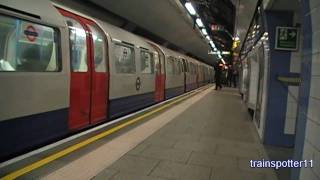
<point x="204" y="135"/>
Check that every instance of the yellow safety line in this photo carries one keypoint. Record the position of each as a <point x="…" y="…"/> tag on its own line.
<point x="75" y="147"/>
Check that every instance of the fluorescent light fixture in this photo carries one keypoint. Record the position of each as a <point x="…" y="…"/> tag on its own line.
<point x="219" y="56"/>
<point x="204" y="31"/>
<point x="207" y="37"/>
<point x="211" y="52"/>
<point x="223" y="61"/>
<point x="226" y="52"/>
<point x="212" y="44"/>
<point x="199" y="22"/>
<point x="215" y="49"/>
<point x="190" y="8"/>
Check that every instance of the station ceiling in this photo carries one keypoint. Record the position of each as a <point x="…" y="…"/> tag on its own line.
<point x="168" y="23"/>
<point x="167" y="19"/>
<point x="244" y="12"/>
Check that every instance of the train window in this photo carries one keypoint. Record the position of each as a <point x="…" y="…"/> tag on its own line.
<point x="182" y="67"/>
<point x="27" y="47"/>
<point x="78" y="46"/>
<point x="193" y="68"/>
<point x="175" y="66"/>
<point x="190" y="67"/>
<point x="124" y="59"/>
<point x="147" y="62"/>
<point x="170" y="65"/>
<point x="98" y="49"/>
<point x="178" y="65"/>
<point x="157" y="62"/>
<point x="186" y="66"/>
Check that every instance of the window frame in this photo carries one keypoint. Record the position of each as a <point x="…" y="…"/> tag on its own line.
<point x="58" y="37"/>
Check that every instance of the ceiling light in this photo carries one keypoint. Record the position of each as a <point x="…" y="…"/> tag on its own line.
<point x="215" y="49"/>
<point x="212" y="44"/>
<point x="204" y="31"/>
<point x="219" y="56"/>
<point x="208" y="38"/>
<point x="236" y="38"/>
<point x="223" y="61"/>
<point x="190" y="8"/>
<point x="199" y="22"/>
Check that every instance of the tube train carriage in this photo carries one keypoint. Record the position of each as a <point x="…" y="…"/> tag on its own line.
<point x="61" y="71"/>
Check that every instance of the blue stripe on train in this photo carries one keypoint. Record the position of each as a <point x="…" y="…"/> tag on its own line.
<point x="23" y="134"/>
<point x="172" y="92"/>
<point x="125" y="105"/>
<point x="191" y="86"/>
<point x="20" y="135"/>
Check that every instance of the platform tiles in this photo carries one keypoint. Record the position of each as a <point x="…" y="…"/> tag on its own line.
<point x="208" y="136"/>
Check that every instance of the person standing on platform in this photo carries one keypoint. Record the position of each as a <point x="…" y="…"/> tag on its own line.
<point x="218" y="72"/>
<point x="235" y="75"/>
<point x="230" y="76"/>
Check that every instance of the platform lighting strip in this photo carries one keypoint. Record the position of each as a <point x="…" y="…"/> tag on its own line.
<point x="201" y="26"/>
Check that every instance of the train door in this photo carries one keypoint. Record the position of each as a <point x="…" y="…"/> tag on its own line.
<point x="147" y="74"/>
<point x="160" y="77"/>
<point x="197" y="75"/>
<point x="99" y="75"/>
<point x="253" y="80"/>
<point x="260" y="58"/>
<point x="89" y="80"/>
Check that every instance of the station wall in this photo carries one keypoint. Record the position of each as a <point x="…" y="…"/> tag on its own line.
<point x="307" y="145"/>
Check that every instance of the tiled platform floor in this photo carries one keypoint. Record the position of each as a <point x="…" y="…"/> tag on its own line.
<point x="214" y="139"/>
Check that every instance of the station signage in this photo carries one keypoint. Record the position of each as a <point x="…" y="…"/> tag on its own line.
<point x="287" y="38"/>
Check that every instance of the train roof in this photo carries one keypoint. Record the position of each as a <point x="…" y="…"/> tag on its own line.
<point x="118" y="34"/>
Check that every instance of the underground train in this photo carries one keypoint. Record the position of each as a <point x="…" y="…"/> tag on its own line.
<point x="62" y="71"/>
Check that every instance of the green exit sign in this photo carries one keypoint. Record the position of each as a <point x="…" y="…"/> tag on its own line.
<point x="287" y="38"/>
